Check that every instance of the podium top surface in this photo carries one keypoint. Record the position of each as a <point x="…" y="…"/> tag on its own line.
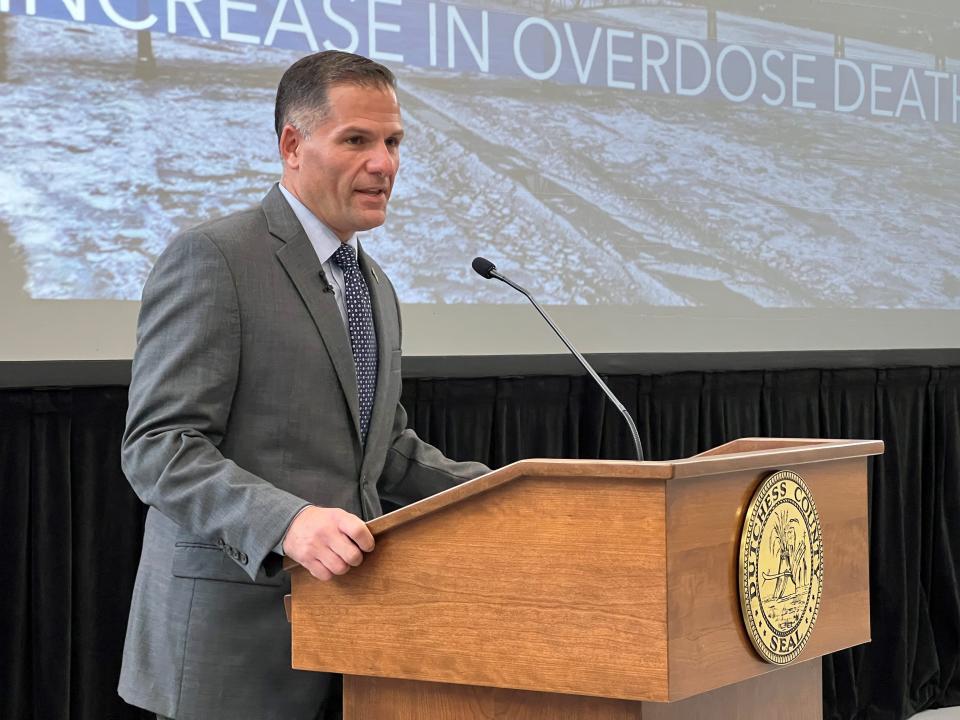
<point x="742" y="454"/>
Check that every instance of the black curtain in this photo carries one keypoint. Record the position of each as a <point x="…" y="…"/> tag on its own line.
<point x="71" y="527"/>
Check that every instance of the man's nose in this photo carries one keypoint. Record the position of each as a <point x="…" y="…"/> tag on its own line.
<point x="382" y="161"/>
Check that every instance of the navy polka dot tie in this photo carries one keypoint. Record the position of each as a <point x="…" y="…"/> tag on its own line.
<point x="363" y="339"/>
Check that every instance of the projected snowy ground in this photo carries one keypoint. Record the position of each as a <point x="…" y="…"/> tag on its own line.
<point x="584" y="195"/>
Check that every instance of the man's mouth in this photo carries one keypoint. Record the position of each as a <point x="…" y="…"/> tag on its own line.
<point x="373" y="192"/>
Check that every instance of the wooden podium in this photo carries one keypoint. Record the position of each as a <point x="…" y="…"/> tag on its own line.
<point x="566" y="589"/>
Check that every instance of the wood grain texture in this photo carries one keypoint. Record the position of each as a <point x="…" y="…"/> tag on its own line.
<point x="708" y="643"/>
<point x="794" y="692"/>
<point x="756" y="444"/>
<point x="612" y="579"/>
<point x="772" y="452"/>
<point x="791" y="693"/>
<point x="368" y="698"/>
<point x="599" y="470"/>
<point x="542" y="584"/>
<point x="743" y="454"/>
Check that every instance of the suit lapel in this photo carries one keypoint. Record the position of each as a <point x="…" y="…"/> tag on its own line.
<point x="380" y="423"/>
<point x="302" y="266"/>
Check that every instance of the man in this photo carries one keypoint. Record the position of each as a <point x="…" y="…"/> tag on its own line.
<point x="264" y="409"/>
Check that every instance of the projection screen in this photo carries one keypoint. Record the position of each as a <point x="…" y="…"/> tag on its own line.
<point x="665" y="176"/>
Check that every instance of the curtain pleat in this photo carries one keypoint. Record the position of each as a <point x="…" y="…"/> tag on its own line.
<point x="675" y="416"/>
<point x="16" y="648"/>
<point x="51" y="561"/>
<point x="71" y="527"/>
<point x="106" y="539"/>
<point x="731" y="407"/>
<point x="944" y="577"/>
<point x="791" y="404"/>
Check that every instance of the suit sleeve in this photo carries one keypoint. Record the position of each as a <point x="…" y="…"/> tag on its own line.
<point x="185" y="373"/>
<point x="415" y="469"/>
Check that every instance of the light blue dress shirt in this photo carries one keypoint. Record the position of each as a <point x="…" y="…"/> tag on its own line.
<point x="325" y="243"/>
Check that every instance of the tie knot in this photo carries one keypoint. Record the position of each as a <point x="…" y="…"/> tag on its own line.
<point x="346" y="258"/>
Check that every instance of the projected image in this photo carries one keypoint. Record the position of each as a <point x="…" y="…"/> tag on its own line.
<point x="601" y="152"/>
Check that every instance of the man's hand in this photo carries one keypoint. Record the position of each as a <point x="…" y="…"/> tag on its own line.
<point x="327" y="541"/>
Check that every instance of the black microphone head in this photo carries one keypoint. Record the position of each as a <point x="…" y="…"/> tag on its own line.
<point x="483" y="267"/>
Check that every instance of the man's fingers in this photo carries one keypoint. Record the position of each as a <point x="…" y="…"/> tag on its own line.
<point x="327" y="541"/>
<point x="332" y="562"/>
<point x="347" y="550"/>
<point x="317" y="569"/>
<point x="356" y="529"/>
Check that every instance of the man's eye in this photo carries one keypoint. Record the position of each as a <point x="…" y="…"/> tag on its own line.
<point x="354" y="140"/>
<point x="393" y="142"/>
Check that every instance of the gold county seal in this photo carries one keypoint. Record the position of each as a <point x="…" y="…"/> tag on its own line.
<point x="781" y="567"/>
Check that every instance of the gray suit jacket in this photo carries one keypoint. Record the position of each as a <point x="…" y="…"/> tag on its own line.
<point x="243" y="409"/>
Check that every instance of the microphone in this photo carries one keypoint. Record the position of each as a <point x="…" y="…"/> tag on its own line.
<point x="486" y="269"/>
<point x="327" y="287"/>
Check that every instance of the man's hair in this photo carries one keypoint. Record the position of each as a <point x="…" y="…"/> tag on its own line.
<point x="302" y="93"/>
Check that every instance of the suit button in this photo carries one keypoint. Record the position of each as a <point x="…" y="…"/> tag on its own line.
<point x="243" y="558"/>
<point x="220" y="543"/>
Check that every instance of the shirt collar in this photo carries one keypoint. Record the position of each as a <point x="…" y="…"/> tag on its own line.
<point x="324" y="240"/>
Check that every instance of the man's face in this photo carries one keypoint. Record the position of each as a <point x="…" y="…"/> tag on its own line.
<point x="343" y="171"/>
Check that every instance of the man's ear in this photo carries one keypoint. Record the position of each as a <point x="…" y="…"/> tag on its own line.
<point x="290" y="141"/>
